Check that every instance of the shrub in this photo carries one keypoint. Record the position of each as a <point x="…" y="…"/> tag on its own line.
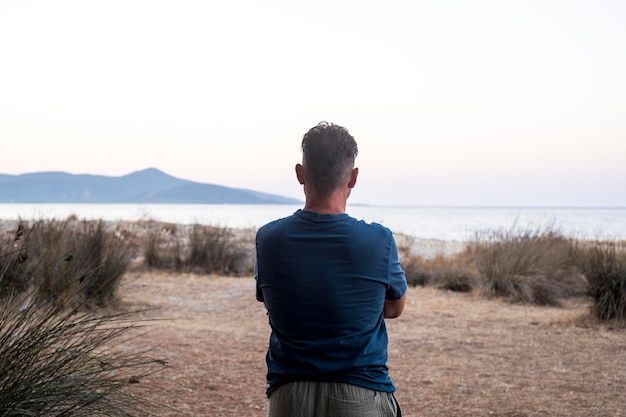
<point x="416" y="271"/>
<point x="71" y="261"/>
<point x="62" y="362"/>
<point x="204" y="248"/>
<point x="103" y="259"/>
<point x="604" y="265"/>
<point x="67" y="364"/>
<point x="47" y="247"/>
<point x="532" y="266"/>
<point x="162" y="247"/>
<point x="453" y="273"/>
<point x="216" y="250"/>
<point x="12" y="257"/>
<point x="151" y="252"/>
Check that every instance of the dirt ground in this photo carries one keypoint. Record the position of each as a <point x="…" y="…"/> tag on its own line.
<point x="450" y="354"/>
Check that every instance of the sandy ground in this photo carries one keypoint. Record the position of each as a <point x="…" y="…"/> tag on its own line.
<point x="450" y="354"/>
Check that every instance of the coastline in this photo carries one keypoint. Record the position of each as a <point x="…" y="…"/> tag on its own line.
<point x="139" y="230"/>
<point x="436" y="223"/>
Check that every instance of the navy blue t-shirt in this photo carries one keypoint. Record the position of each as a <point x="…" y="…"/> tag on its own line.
<point x="324" y="279"/>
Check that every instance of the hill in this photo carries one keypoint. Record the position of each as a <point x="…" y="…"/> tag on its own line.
<point x="147" y="186"/>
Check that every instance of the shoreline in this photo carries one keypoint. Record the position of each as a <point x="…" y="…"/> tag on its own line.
<point x="446" y="224"/>
<point x="139" y="229"/>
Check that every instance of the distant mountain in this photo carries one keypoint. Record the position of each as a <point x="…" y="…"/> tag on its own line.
<point x="147" y="186"/>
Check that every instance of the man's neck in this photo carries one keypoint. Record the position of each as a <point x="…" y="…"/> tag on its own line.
<point x="333" y="204"/>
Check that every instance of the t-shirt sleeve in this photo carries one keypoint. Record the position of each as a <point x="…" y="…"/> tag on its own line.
<point x="259" y="292"/>
<point x="397" y="280"/>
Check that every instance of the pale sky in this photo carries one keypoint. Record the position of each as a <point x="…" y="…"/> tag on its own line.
<point x="452" y="102"/>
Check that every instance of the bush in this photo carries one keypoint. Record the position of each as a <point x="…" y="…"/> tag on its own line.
<point x="204" y="249"/>
<point x="162" y="247"/>
<point x="101" y="260"/>
<point x="416" y="271"/>
<point x="72" y="261"/>
<point x="67" y="364"/>
<point x="57" y="361"/>
<point x="533" y="266"/>
<point x="12" y="257"/>
<point x="453" y="273"/>
<point x="604" y="265"/>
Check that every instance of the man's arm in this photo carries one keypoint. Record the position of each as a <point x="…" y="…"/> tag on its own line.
<point x="394" y="308"/>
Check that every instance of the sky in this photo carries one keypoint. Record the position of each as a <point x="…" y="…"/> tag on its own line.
<point x="452" y="102"/>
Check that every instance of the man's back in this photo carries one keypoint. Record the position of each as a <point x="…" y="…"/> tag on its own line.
<point x="324" y="279"/>
<point x="328" y="282"/>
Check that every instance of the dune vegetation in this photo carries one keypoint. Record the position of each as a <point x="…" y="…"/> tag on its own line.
<point x="63" y="336"/>
<point x="536" y="266"/>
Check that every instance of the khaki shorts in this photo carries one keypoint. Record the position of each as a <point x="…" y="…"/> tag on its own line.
<point x="330" y="399"/>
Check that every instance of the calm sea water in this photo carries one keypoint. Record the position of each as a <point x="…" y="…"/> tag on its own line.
<point x="442" y="223"/>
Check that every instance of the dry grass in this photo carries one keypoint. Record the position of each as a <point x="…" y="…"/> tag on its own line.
<point x="451" y="354"/>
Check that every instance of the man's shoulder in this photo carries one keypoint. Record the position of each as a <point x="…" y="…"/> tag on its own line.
<point x="374" y="227"/>
<point x="379" y="227"/>
<point x="275" y="224"/>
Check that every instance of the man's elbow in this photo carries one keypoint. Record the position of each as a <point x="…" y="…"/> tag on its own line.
<point x="394" y="308"/>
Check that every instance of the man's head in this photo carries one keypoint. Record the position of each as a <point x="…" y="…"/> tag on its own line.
<point x="328" y="155"/>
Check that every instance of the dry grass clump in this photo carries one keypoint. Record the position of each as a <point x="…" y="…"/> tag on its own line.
<point x="604" y="265"/>
<point x="70" y="260"/>
<point x="11" y="261"/>
<point x="57" y="358"/>
<point x="453" y="273"/>
<point x="162" y="248"/>
<point x="416" y="270"/>
<point x="534" y="266"/>
<point x="67" y="363"/>
<point x="201" y="248"/>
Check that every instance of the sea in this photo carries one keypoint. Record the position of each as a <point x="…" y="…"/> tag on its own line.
<point x="458" y="224"/>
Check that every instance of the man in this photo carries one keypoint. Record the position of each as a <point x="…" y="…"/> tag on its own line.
<point x="328" y="281"/>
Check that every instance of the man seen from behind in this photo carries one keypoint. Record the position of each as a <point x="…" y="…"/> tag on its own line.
<point x="328" y="282"/>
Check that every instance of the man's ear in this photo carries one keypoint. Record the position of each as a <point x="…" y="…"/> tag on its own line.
<point x="300" y="173"/>
<point x="353" y="176"/>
